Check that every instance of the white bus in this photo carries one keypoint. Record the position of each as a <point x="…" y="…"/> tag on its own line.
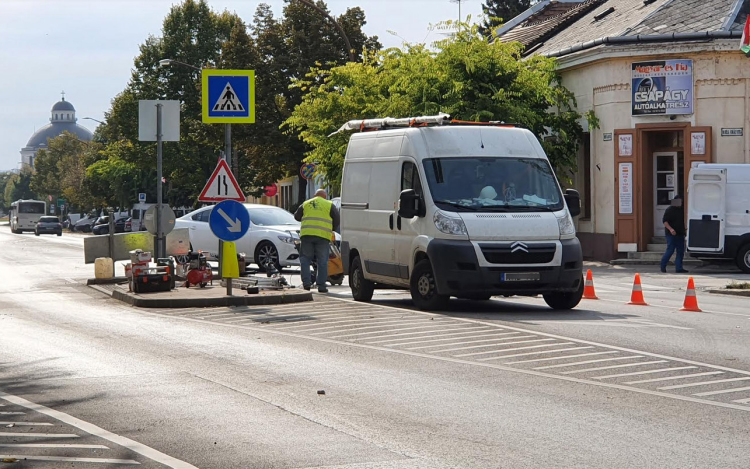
<point x="24" y="214"/>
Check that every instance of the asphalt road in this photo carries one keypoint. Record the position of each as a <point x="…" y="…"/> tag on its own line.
<point x="90" y="382"/>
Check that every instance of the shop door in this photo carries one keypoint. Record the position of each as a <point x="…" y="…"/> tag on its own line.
<point x="665" y="184"/>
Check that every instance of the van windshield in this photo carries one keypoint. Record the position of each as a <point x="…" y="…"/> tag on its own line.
<point x="500" y="184"/>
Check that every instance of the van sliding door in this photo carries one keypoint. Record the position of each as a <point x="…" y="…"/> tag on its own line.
<point x="706" y="210"/>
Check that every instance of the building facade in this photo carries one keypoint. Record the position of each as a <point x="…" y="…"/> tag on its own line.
<point x="62" y="119"/>
<point x="670" y="88"/>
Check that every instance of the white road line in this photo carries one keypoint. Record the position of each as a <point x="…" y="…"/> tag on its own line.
<point x="451" y="336"/>
<point x="60" y="458"/>
<point x="40" y="435"/>
<point x="586" y="362"/>
<point x="494" y="339"/>
<point x="369" y="320"/>
<point x="495" y="343"/>
<point x="36" y="424"/>
<point x="613" y="366"/>
<point x="690" y="385"/>
<point x="742" y="401"/>
<point x="723" y="391"/>
<point x="510" y="350"/>
<point x="669" y="378"/>
<point x="460" y="328"/>
<point x="12" y="413"/>
<point x="354" y="327"/>
<point x="92" y="429"/>
<point x="43" y="445"/>
<point x="425" y="325"/>
<point x="635" y="373"/>
<point x="545" y="352"/>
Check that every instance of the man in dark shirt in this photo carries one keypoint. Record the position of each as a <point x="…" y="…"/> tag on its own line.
<point x="674" y="229"/>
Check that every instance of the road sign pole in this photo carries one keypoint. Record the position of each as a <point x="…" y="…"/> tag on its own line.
<point x="228" y="159"/>
<point x="159" y="246"/>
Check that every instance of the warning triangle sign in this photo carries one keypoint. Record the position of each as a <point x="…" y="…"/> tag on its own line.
<point x="221" y="186"/>
<point x="228" y="100"/>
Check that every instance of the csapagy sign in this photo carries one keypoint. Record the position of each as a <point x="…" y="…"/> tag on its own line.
<point x="662" y="87"/>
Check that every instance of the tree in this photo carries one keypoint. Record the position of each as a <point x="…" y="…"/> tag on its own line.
<point x="5" y="177"/>
<point x="466" y="76"/>
<point x="498" y="12"/>
<point x="18" y="187"/>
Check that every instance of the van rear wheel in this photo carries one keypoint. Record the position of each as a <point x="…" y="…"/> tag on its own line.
<point x="424" y="292"/>
<point x="743" y="258"/>
<point x="564" y="301"/>
<point x="362" y="289"/>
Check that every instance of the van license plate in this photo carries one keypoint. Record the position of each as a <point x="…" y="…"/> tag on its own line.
<point x="520" y="277"/>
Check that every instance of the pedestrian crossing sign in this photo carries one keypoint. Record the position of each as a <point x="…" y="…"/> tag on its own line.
<point x="228" y="96"/>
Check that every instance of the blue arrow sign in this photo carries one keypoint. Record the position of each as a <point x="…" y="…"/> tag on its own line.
<point x="229" y="220"/>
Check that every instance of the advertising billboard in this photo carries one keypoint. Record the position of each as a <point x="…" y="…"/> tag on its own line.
<point x="662" y="87"/>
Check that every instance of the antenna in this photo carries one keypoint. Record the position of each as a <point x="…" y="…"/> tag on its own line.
<point x="459" y="8"/>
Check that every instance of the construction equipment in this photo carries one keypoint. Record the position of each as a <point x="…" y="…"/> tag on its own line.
<point x="199" y="272"/>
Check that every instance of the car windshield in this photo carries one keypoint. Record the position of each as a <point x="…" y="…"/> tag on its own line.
<point x="501" y="184"/>
<point x="49" y="220"/>
<point x="271" y="216"/>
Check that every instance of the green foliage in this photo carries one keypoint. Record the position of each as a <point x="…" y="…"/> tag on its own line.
<point x="592" y="120"/>
<point x="19" y="187"/>
<point x="5" y="177"/>
<point x="465" y="75"/>
<point x="498" y="12"/>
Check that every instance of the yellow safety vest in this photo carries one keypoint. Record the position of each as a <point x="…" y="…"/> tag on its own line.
<point x="316" y="218"/>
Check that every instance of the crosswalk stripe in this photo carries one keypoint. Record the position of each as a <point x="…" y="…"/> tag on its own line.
<point x="67" y="459"/>
<point x="586" y="362"/>
<point x="703" y="383"/>
<point x="723" y="391"/>
<point x="669" y="378"/>
<point x="660" y="370"/>
<point x="613" y="366"/>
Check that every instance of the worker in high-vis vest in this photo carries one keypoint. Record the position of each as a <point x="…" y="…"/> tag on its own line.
<point x="319" y="218"/>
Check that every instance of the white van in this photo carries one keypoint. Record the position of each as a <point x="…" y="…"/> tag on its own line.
<point x="447" y="209"/>
<point x="718" y="220"/>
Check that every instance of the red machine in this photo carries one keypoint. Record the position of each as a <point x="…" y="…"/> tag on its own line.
<point x="199" y="272"/>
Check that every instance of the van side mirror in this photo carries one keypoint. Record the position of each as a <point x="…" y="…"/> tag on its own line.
<point x="573" y="199"/>
<point x="409" y="204"/>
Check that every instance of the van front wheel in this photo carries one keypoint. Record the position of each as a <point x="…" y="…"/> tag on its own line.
<point x="743" y="258"/>
<point x="564" y="301"/>
<point x="362" y="289"/>
<point x="424" y="292"/>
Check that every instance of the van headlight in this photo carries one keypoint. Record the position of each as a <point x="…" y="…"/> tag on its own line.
<point x="566" y="226"/>
<point x="449" y="225"/>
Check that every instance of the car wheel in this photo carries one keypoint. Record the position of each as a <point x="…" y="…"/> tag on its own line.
<point x="424" y="292"/>
<point x="564" y="301"/>
<point x="362" y="289"/>
<point x="265" y="254"/>
<point x="743" y="258"/>
<point x="36" y="233"/>
<point x="59" y="233"/>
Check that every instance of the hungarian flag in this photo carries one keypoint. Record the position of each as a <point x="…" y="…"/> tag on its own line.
<point x="745" y="41"/>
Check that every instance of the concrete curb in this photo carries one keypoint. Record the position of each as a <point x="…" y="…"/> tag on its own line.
<point x="106" y="281"/>
<point x="726" y="291"/>
<point x="246" y="300"/>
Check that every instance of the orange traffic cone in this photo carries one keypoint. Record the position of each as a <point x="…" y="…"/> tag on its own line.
<point x="636" y="298"/>
<point x="691" y="301"/>
<point x="588" y="288"/>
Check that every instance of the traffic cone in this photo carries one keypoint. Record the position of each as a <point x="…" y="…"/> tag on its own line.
<point x="691" y="301"/>
<point x="588" y="288"/>
<point x="636" y="298"/>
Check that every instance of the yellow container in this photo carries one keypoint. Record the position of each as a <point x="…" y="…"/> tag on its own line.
<point x="104" y="267"/>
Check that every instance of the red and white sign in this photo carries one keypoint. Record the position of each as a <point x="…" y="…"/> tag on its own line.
<point x="222" y="186"/>
<point x="271" y="190"/>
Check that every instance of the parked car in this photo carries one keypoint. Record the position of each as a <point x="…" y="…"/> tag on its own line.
<point x="48" y="225"/>
<point x="270" y="238"/>
<point x="128" y="225"/>
<point x="85" y="224"/>
<point x="102" y="225"/>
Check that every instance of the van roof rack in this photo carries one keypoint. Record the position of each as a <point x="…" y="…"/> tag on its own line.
<point x="421" y="121"/>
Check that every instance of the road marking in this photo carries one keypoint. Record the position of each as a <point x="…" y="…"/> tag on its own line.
<point x="451" y="336"/>
<point x="586" y="362"/>
<point x="12" y="413"/>
<point x="61" y="458"/>
<point x="660" y="370"/>
<point x="92" y="429"/>
<point x="369" y="320"/>
<point x="36" y="424"/>
<point x="545" y="352"/>
<point x="742" y="401"/>
<point x="41" y="435"/>
<point x="343" y="328"/>
<point x="690" y="385"/>
<point x="586" y="370"/>
<point x="503" y="349"/>
<point x="494" y="342"/>
<point x="668" y="378"/>
<point x="461" y="328"/>
<point x="428" y="326"/>
<point x="491" y="345"/>
<point x="723" y="391"/>
<point x="42" y="445"/>
<point x="500" y="357"/>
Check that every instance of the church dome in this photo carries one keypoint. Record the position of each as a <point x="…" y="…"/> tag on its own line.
<point x="63" y="105"/>
<point x="54" y="129"/>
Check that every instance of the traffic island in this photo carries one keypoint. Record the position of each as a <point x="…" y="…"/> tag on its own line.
<point x="210" y="296"/>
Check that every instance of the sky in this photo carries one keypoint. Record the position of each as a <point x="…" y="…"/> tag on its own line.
<point x="86" y="48"/>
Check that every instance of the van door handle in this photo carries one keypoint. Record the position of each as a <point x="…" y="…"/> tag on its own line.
<point x="390" y="221"/>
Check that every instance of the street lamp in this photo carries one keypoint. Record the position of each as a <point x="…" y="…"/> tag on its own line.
<point x="169" y="62"/>
<point x="92" y="119"/>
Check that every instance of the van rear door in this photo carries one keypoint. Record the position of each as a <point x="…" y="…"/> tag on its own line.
<point x="706" y="209"/>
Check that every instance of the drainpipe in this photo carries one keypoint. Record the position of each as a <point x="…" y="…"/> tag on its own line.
<point x="641" y="39"/>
